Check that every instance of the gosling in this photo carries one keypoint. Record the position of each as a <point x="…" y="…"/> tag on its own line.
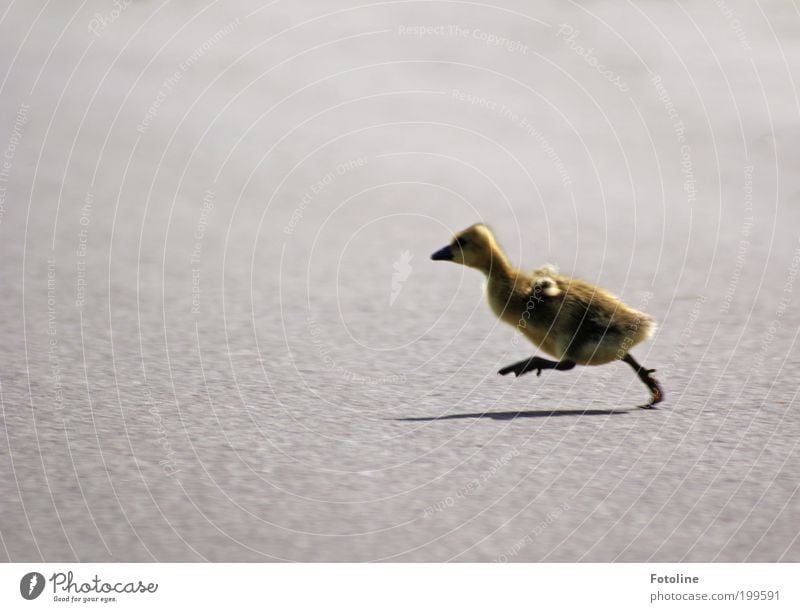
<point x="569" y="319"/>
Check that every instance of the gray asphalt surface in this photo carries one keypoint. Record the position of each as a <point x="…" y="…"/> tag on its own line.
<point x="222" y="338"/>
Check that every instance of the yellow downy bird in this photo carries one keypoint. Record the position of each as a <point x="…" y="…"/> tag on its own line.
<point x="569" y="319"/>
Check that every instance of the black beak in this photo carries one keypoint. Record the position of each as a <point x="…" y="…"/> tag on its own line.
<point x="443" y="254"/>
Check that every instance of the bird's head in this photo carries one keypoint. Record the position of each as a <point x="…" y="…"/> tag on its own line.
<point x="474" y="247"/>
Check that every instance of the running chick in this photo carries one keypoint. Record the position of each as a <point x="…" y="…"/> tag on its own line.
<point x="569" y="319"/>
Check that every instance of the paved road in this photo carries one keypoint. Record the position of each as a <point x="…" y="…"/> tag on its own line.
<point x="222" y="338"/>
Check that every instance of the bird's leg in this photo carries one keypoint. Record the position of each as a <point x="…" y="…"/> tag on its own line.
<point x="645" y="376"/>
<point x="538" y="364"/>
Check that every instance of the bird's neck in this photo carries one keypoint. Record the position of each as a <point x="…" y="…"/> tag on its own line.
<point x="498" y="268"/>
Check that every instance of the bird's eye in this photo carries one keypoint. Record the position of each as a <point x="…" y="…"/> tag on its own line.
<point x="461" y="242"/>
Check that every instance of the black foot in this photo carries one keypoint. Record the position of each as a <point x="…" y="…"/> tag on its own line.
<point x="536" y="364"/>
<point x="656" y="393"/>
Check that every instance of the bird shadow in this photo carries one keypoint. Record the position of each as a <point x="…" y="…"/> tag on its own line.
<point x="518" y="414"/>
